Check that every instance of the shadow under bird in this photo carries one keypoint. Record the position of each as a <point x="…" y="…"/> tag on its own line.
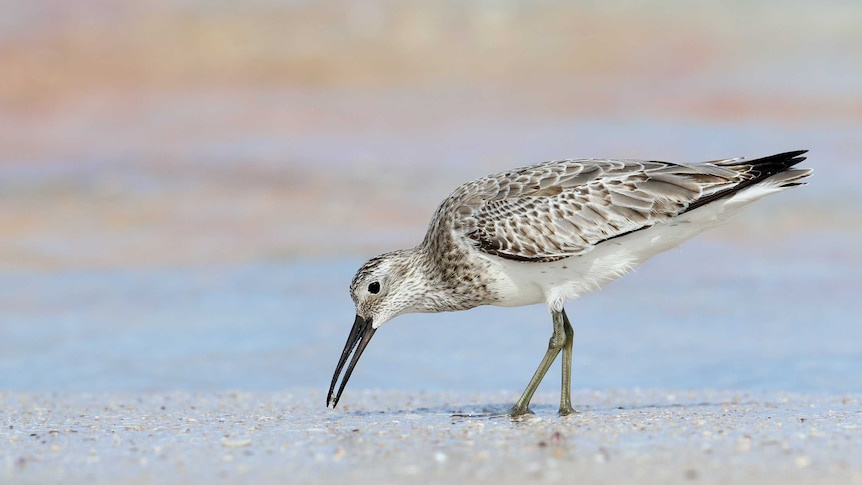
<point x="548" y="233"/>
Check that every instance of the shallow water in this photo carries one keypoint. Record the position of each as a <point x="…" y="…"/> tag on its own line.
<point x="707" y="315"/>
<point x="160" y="281"/>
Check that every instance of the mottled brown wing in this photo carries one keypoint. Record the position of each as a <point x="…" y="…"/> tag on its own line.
<point x="559" y="209"/>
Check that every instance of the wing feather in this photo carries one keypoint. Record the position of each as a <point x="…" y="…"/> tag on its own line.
<point x="558" y="209"/>
<point x="564" y="208"/>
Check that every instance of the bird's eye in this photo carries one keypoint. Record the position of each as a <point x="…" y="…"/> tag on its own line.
<point x="374" y="288"/>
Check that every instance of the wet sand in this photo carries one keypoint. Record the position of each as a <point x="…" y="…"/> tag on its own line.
<point x="619" y="436"/>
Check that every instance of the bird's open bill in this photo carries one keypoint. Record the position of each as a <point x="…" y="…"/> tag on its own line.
<point x="358" y="339"/>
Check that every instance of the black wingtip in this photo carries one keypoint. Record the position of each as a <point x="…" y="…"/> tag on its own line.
<point x="760" y="169"/>
<point x="777" y="163"/>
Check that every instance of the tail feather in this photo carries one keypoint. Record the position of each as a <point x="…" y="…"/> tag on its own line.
<point x="791" y="177"/>
<point x="774" y="172"/>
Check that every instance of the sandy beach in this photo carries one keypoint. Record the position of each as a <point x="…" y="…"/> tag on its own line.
<point x="631" y="436"/>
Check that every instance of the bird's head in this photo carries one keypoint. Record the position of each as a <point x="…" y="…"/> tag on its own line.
<point x="383" y="288"/>
<point x="376" y="289"/>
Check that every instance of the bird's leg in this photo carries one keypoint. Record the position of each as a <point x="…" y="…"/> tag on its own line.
<point x="566" y="392"/>
<point x="557" y="342"/>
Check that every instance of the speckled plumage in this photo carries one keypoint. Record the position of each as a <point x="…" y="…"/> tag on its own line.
<point x="554" y="230"/>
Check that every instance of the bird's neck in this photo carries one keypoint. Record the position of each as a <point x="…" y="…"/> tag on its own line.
<point x="443" y="282"/>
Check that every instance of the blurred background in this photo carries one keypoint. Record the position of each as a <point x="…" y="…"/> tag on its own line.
<point x="187" y="186"/>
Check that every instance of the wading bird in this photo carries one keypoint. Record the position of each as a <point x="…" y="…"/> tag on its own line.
<point x="548" y="233"/>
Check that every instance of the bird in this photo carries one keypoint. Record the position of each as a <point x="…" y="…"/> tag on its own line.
<point x="548" y="233"/>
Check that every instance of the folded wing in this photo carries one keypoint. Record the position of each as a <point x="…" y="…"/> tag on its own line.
<point x="565" y="208"/>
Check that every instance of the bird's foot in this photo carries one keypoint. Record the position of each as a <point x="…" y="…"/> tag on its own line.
<point x="567" y="410"/>
<point x="517" y="412"/>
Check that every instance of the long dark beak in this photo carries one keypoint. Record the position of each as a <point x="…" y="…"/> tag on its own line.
<point x="358" y="339"/>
